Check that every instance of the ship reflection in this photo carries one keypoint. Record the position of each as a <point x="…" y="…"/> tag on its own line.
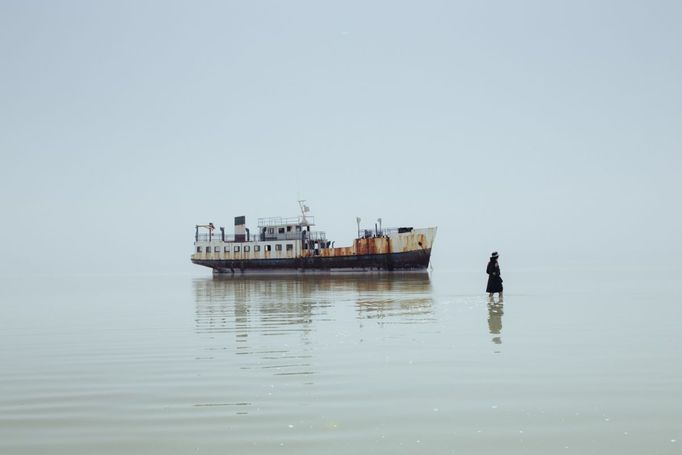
<point x="277" y="323"/>
<point x="403" y="300"/>
<point x="272" y="304"/>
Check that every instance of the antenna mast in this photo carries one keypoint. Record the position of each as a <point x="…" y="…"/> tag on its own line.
<point x="304" y="209"/>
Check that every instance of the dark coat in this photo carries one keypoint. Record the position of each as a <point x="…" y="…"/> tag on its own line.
<point x="494" y="278"/>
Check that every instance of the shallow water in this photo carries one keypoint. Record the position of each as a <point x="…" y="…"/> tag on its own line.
<point x="571" y="362"/>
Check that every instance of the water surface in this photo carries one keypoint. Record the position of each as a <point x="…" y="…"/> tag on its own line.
<point x="571" y="362"/>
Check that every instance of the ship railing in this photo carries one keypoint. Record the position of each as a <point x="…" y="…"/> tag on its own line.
<point x="316" y="235"/>
<point x="284" y="236"/>
<point x="279" y="221"/>
<point x="216" y="236"/>
<point x="310" y="235"/>
<point x="380" y="232"/>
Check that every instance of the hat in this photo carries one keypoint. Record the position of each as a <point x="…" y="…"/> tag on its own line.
<point x="494" y="254"/>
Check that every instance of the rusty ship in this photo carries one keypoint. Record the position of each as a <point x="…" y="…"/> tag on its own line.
<point x="289" y="245"/>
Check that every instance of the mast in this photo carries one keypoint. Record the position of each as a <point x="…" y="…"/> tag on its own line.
<point x="304" y="209"/>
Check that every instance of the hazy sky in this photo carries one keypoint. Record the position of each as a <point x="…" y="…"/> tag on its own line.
<point x="550" y="131"/>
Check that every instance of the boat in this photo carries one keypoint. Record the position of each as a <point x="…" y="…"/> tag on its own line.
<point x="289" y="245"/>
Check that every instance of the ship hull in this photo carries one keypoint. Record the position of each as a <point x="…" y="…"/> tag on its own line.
<point x="406" y="250"/>
<point x="410" y="261"/>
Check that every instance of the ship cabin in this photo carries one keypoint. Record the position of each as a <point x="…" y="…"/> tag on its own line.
<point x="276" y="238"/>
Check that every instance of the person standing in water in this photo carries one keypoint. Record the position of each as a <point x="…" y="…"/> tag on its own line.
<point x="494" y="278"/>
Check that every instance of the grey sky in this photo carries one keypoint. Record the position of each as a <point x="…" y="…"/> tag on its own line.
<point x="550" y="131"/>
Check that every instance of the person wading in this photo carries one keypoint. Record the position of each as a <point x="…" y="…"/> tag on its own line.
<point x="494" y="278"/>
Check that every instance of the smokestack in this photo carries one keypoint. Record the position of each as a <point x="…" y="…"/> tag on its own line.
<point x="239" y="228"/>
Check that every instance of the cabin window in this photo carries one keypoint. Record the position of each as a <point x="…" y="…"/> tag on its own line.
<point x="281" y="230"/>
<point x="268" y="247"/>
<point x="288" y="228"/>
<point x="246" y="249"/>
<point x="290" y="247"/>
<point x="236" y="249"/>
<point x="198" y="249"/>
<point x="271" y="230"/>
<point x="256" y="248"/>
<point x="298" y="228"/>
<point x="226" y="249"/>
<point x="278" y="247"/>
<point x="216" y="249"/>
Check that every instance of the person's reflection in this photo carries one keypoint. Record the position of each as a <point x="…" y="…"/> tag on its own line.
<point x="495" y="312"/>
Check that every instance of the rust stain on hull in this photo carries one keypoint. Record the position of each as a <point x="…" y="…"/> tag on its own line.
<point x="401" y="243"/>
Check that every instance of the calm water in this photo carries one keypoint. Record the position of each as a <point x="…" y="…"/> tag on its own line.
<point x="585" y="363"/>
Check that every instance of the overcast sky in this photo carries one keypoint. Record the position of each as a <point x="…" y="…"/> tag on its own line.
<point x="550" y="131"/>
